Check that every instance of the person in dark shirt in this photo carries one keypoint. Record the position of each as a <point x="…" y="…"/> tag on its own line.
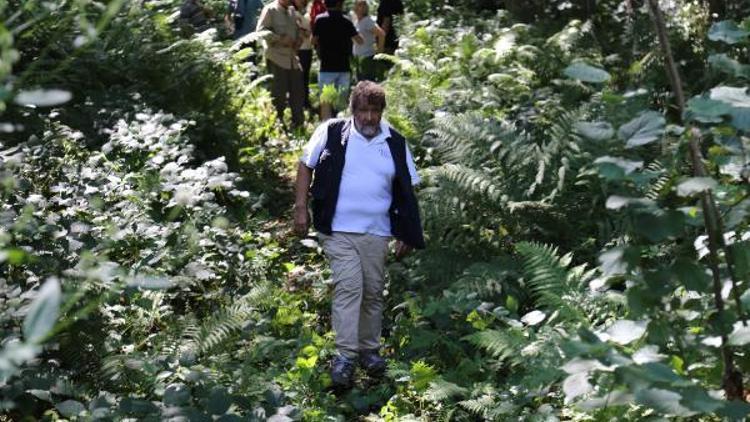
<point x="332" y="36"/>
<point x="387" y="10"/>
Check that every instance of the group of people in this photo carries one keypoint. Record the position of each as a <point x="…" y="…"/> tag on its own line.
<point x="358" y="171"/>
<point x="296" y="28"/>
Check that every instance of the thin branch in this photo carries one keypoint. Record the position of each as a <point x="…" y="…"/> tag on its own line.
<point x="732" y="378"/>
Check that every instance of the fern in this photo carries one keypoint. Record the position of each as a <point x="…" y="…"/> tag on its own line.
<point x="547" y="277"/>
<point x="225" y="323"/>
<point x="661" y="183"/>
<point x="503" y="345"/>
<point x="564" y="290"/>
<point x="473" y="182"/>
<point x="482" y="406"/>
<point x="442" y="390"/>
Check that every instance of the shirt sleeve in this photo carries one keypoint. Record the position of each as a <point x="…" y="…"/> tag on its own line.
<point x="415" y="179"/>
<point x="265" y="23"/>
<point x="311" y="151"/>
<point x="352" y="29"/>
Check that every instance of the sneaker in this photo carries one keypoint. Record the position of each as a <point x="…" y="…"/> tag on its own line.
<point x="342" y="371"/>
<point x="372" y="362"/>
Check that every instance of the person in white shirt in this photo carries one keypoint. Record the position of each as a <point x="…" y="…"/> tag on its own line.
<point x="374" y="40"/>
<point x="362" y="196"/>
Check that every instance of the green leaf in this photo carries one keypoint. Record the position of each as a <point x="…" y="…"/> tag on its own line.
<point x="138" y="407"/>
<point x="614" y="398"/>
<point x="586" y="73"/>
<point x="41" y="394"/>
<point x="147" y="282"/>
<point x="596" y="131"/>
<point x="736" y="97"/>
<point x="691" y="275"/>
<point x="727" y="32"/>
<point x="642" y="130"/>
<point x="218" y="401"/>
<point x="741" y="253"/>
<point x="511" y="303"/>
<point x="745" y="298"/>
<point x="176" y="394"/>
<point x="43" y="97"/>
<point x="735" y="410"/>
<point x="533" y="318"/>
<point x="43" y="312"/>
<point x="625" y="331"/>
<point x="655" y="373"/>
<point x="697" y="399"/>
<point x="740" y="336"/>
<point x="664" y="401"/>
<point x="70" y="408"/>
<point x="657" y="225"/>
<point x="578" y="365"/>
<point x="647" y="354"/>
<point x="422" y="374"/>
<point x="614" y="261"/>
<point x="13" y="256"/>
<point x="740" y="102"/>
<point x="616" y="202"/>
<point x="616" y="168"/>
<point x="729" y="65"/>
<point x="695" y="185"/>
<point x="706" y="110"/>
<point x="576" y="385"/>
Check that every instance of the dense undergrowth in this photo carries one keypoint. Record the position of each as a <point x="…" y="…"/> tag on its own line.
<point x="147" y="270"/>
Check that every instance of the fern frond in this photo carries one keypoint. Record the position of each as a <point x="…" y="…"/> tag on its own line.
<point x="481" y="406"/>
<point x="658" y="186"/>
<point x="503" y="345"/>
<point x="223" y="324"/>
<point x="442" y="390"/>
<point x="548" y="278"/>
<point x="473" y="182"/>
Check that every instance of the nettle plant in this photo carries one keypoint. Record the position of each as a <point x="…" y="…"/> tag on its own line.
<point x="682" y="259"/>
<point x="147" y="270"/>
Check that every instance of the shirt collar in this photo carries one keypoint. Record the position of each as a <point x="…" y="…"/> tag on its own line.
<point x="385" y="131"/>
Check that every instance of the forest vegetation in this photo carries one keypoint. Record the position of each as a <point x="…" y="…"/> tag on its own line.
<point x="585" y="198"/>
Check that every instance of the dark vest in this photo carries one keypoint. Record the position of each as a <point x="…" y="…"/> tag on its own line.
<point x="404" y="211"/>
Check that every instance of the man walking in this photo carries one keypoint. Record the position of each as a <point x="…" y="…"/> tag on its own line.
<point x="281" y="58"/>
<point x="362" y="196"/>
<point x="333" y="35"/>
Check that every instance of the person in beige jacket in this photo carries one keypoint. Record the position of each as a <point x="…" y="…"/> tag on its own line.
<point x="281" y="46"/>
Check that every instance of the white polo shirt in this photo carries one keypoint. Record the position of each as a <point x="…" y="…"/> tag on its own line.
<point x="365" y="193"/>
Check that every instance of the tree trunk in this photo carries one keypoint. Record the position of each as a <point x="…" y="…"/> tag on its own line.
<point x="589" y="9"/>
<point x="522" y="10"/>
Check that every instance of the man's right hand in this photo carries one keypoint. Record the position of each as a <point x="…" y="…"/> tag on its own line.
<point x="301" y="220"/>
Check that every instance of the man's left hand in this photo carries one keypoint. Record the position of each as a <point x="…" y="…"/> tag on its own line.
<point x="402" y="249"/>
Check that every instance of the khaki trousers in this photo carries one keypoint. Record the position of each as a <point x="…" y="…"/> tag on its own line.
<point x="358" y="265"/>
<point x="287" y="82"/>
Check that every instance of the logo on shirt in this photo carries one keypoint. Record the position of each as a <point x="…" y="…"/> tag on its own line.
<point x="383" y="152"/>
<point x="323" y="155"/>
